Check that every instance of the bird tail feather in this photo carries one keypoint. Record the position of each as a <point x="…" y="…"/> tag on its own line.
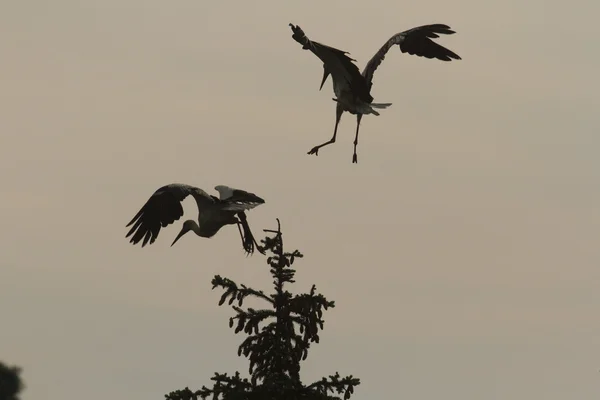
<point x="373" y="106"/>
<point x="380" y="105"/>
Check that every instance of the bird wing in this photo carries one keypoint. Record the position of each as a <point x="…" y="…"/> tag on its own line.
<point x="162" y="209"/>
<point x="416" y="41"/>
<point x="233" y="199"/>
<point x="335" y="62"/>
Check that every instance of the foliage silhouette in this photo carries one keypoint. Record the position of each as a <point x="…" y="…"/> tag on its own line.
<point x="10" y="382"/>
<point x="278" y="338"/>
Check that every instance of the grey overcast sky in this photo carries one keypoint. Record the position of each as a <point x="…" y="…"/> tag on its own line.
<point x="462" y="251"/>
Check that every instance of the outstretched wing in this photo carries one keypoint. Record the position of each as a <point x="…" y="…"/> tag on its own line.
<point x="233" y="199"/>
<point x="335" y="63"/>
<point x="416" y="41"/>
<point x="162" y="209"/>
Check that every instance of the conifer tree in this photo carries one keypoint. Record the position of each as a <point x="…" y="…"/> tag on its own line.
<point x="278" y="338"/>
<point x="10" y="382"/>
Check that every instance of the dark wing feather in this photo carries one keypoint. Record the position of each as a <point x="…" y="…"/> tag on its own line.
<point x="162" y="209"/>
<point x="335" y="62"/>
<point x="416" y="41"/>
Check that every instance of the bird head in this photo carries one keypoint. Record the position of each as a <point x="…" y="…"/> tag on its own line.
<point x="187" y="226"/>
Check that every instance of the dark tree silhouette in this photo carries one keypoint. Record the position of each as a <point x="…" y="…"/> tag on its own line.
<point x="278" y="338"/>
<point x="10" y="382"/>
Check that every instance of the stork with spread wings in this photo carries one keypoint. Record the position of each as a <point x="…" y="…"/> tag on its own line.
<point x="353" y="88"/>
<point x="164" y="207"/>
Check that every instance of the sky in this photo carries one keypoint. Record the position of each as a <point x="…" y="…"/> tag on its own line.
<point x="461" y="251"/>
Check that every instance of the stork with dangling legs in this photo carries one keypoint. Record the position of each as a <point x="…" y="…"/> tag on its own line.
<point x="353" y="88"/>
<point x="164" y="207"/>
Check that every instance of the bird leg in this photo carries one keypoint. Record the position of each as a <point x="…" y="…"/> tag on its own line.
<point x="354" y="156"/>
<point x="241" y="234"/>
<point x="248" y="241"/>
<point x="338" y="115"/>
<point x="248" y="246"/>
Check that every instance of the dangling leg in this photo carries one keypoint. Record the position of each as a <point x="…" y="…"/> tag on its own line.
<point x="248" y="249"/>
<point x="354" y="156"/>
<point x="248" y="240"/>
<point x="338" y="115"/>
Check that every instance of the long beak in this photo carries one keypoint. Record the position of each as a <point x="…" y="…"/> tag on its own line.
<point x="325" y="75"/>
<point x="183" y="232"/>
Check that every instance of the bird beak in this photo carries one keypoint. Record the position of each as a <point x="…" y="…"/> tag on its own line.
<point x="183" y="232"/>
<point x="325" y="75"/>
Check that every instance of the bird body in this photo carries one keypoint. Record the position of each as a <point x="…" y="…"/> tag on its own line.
<point x="353" y="88"/>
<point x="164" y="207"/>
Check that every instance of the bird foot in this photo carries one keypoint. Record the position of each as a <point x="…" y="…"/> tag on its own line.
<point x="314" y="150"/>
<point x="354" y="159"/>
<point x="248" y="246"/>
<point x="249" y="250"/>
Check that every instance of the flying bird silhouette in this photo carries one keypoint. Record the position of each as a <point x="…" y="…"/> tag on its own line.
<point x="164" y="207"/>
<point x="353" y="88"/>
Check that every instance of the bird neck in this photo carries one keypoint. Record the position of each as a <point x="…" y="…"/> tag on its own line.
<point x="207" y="228"/>
<point x="195" y="228"/>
